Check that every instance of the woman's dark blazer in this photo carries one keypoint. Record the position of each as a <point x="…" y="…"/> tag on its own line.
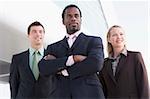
<point x="130" y="81"/>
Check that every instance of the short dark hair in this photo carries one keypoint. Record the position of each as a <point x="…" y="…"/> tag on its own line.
<point x="36" y="23"/>
<point x="70" y="6"/>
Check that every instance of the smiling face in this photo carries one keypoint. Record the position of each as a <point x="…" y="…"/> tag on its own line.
<point x="36" y="36"/>
<point x="117" y="37"/>
<point x="72" y="20"/>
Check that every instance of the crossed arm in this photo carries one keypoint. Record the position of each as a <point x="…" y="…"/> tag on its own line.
<point x="76" y="58"/>
<point x="91" y="63"/>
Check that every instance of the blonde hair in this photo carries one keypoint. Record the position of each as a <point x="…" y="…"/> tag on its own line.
<point x="109" y="45"/>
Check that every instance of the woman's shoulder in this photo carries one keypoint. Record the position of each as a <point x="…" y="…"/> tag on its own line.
<point x="134" y="53"/>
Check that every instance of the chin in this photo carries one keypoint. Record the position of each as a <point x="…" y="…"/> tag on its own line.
<point x="38" y="43"/>
<point x="74" y="30"/>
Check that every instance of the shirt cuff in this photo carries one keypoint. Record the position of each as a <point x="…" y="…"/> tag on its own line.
<point x="64" y="72"/>
<point x="70" y="61"/>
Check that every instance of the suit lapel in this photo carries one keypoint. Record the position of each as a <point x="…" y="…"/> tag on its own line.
<point x="110" y="73"/>
<point x="121" y="65"/>
<point x="78" y="40"/>
<point x="45" y="52"/>
<point x="26" y="65"/>
<point x="65" y="43"/>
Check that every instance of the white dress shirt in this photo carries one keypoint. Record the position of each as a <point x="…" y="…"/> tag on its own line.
<point x="71" y="39"/>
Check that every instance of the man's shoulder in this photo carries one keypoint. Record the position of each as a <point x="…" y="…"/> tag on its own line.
<point x="56" y="43"/>
<point x="90" y="36"/>
<point x="21" y="53"/>
<point x="53" y="44"/>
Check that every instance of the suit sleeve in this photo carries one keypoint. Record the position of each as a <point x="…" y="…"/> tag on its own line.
<point x="14" y="78"/>
<point x="93" y="63"/>
<point x="141" y="77"/>
<point x="49" y="67"/>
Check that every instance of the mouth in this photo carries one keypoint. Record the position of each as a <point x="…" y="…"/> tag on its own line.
<point x="73" y="24"/>
<point x="38" y="38"/>
<point x="119" y="41"/>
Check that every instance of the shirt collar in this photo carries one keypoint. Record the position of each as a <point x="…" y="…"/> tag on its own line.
<point x="32" y="50"/>
<point x="123" y="52"/>
<point x="74" y="34"/>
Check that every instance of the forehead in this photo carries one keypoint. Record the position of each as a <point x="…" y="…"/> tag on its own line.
<point x="116" y="30"/>
<point x="72" y="10"/>
<point x="36" y="27"/>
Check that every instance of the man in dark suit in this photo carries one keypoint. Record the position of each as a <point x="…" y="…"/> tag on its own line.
<point x="25" y="81"/>
<point x="74" y="61"/>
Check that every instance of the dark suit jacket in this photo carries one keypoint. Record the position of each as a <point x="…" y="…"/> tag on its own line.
<point x="22" y="82"/>
<point x="82" y="82"/>
<point x="130" y="81"/>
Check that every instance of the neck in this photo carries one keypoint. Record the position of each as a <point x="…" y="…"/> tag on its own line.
<point x="72" y="32"/>
<point x="117" y="51"/>
<point x="37" y="47"/>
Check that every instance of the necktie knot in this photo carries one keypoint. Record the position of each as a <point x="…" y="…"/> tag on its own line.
<point x="36" y="52"/>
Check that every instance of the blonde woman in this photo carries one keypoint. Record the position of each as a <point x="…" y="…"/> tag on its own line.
<point x="124" y="74"/>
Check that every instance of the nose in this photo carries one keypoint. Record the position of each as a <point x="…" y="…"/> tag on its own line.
<point x="73" y="18"/>
<point x="38" y="33"/>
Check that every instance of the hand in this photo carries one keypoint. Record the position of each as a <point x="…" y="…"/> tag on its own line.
<point x="63" y="72"/>
<point x="49" y="57"/>
<point x="78" y="58"/>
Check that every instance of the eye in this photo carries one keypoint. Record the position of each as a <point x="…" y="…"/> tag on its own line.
<point x="76" y="15"/>
<point x="114" y="35"/>
<point x="33" y="31"/>
<point x="40" y="31"/>
<point x="121" y="34"/>
<point x="69" y="16"/>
